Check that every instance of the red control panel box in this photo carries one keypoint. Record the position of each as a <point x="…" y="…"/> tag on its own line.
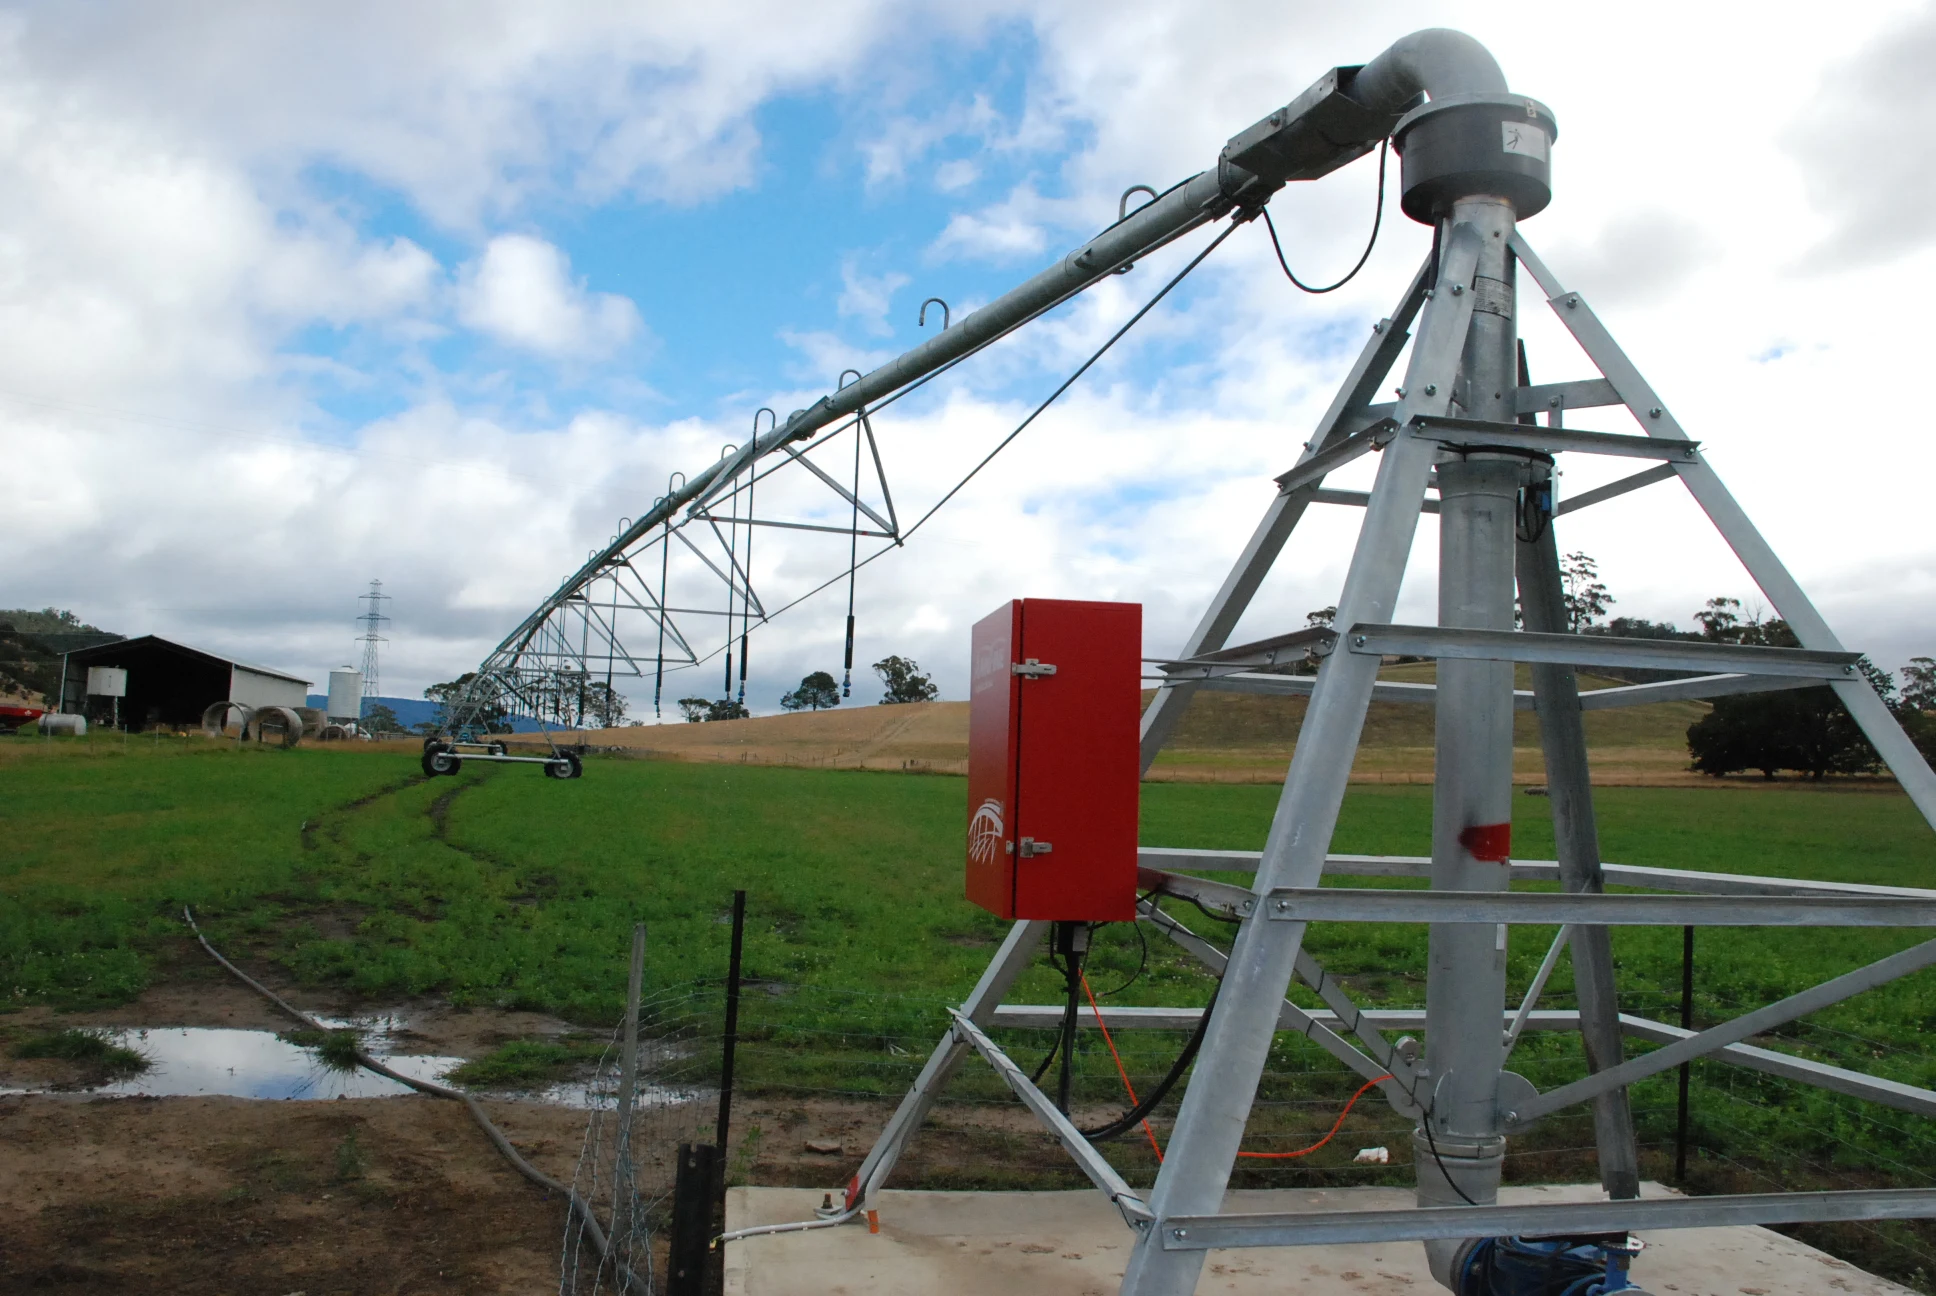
<point x="1053" y="769"/>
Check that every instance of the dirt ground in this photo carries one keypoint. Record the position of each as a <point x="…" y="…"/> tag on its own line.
<point x="225" y="1195"/>
<point x="393" y="1195"/>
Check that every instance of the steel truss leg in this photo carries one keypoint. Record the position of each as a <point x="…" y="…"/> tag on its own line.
<point x="1285" y="512"/>
<point x="1728" y="517"/>
<point x="1556" y="694"/>
<point x="1011" y="960"/>
<point x="1210" y="1125"/>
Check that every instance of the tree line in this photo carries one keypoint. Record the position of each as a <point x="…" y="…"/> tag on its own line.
<point x="902" y="680"/>
<point x="586" y="703"/>
<point x="1805" y="730"/>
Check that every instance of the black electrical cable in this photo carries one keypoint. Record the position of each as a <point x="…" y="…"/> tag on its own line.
<point x="1432" y="1143"/>
<point x="1142" y="961"/>
<point x="1048" y="1059"/>
<point x="1534" y="509"/>
<point x="1377" y="219"/>
<point x="1072" y="977"/>
<point x="1130" y="1119"/>
<point x="1208" y="912"/>
<point x="1055" y="1049"/>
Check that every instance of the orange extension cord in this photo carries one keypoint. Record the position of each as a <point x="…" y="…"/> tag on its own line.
<point x="1151" y="1134"/>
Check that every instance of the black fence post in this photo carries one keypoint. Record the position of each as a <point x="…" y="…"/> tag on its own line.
<point x="694" y="1194"/>
<point x="731" y="1039"/>
<point x="1687" y="1023"/>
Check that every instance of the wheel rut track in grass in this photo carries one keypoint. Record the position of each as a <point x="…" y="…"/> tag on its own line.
<point x="330" y="829"/>
<point x="438" y="812"/>
<point x="329" y="822"/>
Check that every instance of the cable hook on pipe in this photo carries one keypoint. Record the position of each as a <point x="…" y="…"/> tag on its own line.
<point x="841" y="381"/>
<point x="1122" y="204"/>
<point x="756" y="421"/>
<point x="922" y="320"/>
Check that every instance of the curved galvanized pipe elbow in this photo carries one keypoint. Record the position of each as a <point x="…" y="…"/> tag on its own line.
<point x="1435" y="62"/>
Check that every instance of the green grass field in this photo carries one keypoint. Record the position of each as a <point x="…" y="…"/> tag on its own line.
<point x="356" y="875"/>
<point x="504" y="888"/>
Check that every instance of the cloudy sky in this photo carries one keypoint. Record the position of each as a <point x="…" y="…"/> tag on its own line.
<point x="296" y="296"/>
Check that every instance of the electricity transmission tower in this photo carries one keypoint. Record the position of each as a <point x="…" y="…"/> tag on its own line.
<point x="370" y="620"/>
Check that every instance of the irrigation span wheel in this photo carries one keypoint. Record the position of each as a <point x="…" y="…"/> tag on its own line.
<point x="565" y="765"/>
<point x="440" y="760"/>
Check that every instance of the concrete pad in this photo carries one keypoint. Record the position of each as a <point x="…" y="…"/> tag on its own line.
<point x="1075" y="1244"/>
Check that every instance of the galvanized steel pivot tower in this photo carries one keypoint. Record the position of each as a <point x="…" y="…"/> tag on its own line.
<point x="1461" y="441"/>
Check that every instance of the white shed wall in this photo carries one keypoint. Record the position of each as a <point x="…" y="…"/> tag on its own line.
<point x="252" y="688"/>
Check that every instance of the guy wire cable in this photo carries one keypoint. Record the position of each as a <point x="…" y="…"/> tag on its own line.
<point x="1021" y="427"/>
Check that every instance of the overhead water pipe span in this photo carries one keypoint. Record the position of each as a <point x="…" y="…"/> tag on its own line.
<point x="1345" y="114"/>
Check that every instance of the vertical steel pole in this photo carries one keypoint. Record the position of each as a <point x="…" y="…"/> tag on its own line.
<point x="1687" y="1023"/>
<point x="1465" y="993"/>
<point x="1472" y="801"/>
<point x="1576" y="836"/>
<point x="1237" y="1041"/>
<point x="628" y="1082"/>
<point x="1459" y="1148"/>
<point x="629" y="1042"/>
<point x="730" y="1041"/>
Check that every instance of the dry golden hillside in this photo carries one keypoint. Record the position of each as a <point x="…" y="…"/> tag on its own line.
<point x="1224" y="737"/>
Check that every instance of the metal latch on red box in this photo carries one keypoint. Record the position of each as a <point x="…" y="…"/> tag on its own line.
<point x="1032" y="668"/>
<point x="1031" y="847"/>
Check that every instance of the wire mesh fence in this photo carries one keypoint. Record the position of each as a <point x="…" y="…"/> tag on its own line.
<point x="627" y="1164"/>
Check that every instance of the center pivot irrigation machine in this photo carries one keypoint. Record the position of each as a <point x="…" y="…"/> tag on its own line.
<point x="1056" y="756"/>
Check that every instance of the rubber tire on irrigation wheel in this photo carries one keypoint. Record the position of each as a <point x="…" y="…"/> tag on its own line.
<point x="499" y="749"/>
<point x="441" y="760"/>
<point x="565" y="765"/>
<point x="432" y="742"/>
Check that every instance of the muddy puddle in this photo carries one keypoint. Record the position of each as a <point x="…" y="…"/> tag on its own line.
<point x="215" y="1061"/>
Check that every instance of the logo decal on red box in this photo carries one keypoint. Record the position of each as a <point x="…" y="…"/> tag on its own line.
<point x="985" y="832"/>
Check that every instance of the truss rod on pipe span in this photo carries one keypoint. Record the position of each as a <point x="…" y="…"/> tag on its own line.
<point x="1320" y="131"/>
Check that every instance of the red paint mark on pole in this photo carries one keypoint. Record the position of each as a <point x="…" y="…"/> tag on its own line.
<point x="1488" y="842"/>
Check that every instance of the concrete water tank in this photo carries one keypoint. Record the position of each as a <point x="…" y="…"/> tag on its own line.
<point x="345" y="694"/>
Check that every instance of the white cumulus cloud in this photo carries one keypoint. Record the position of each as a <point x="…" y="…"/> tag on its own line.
<point x="521" y="292"/>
